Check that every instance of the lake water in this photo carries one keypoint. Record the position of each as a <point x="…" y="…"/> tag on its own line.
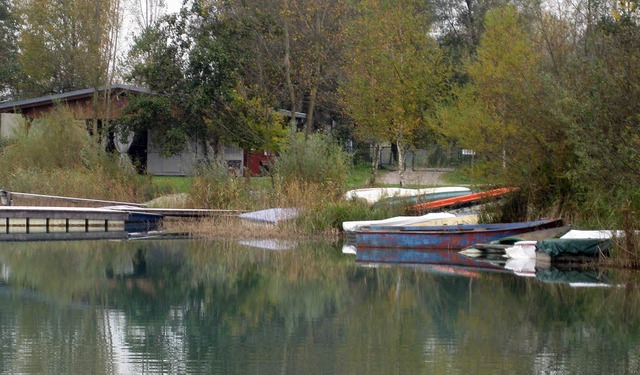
<point x="193" y="306"/>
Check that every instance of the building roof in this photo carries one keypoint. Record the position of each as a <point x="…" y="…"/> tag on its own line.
<point x="13" y="105"/>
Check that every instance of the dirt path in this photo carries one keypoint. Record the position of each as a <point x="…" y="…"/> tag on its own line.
<point x="422" y="177"/>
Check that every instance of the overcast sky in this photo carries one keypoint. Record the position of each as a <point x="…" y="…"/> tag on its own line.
<point x="129" y="29"/>
<point x="173" y="5"/>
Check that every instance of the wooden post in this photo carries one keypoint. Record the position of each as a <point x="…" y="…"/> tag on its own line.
<point x="5" y="198"/>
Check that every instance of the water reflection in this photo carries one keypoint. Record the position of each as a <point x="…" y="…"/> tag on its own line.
<point x="185" y="306"/>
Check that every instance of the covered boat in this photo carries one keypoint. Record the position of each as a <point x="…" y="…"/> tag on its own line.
<point x="572" y="245"/>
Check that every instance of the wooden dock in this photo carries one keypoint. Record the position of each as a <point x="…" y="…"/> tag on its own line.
<point x="39" y="223"/>
<point x="114" y="220"/>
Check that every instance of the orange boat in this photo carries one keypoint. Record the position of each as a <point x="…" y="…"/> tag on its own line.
<point x="462" y="201"/>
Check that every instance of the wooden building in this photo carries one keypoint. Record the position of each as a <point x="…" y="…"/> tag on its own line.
<point x="98" y="106"/>
<point x="101" y="104"/>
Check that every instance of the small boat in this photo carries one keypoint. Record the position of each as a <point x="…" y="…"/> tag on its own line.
<point x="404" y="201"/>
<point x="503" y="243"/>
<point x="349" y="226"/>
<point x="573" y="245"/>
<point x="448" y="221"/>
<point x="373" y="195"/>
<point x="443" y="236"/>
<point x="271" y="215"/>
<point x="461" y="201"/>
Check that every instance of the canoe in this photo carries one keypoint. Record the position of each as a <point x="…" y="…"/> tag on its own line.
<point x="373" y="195"/>
<point x="404" y="201"/>
<point x="461" y="201"/>
<point x="444" y="236"/>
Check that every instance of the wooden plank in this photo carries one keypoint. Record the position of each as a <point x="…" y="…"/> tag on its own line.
<point x="37" y="212"/>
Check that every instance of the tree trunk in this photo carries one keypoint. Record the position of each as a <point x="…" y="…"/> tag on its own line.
<point x="287" y="65"/>
<point x="375" y="160"/>
<point x="315" y="82"/>
<point x="401" y="162"/>
<point x="308" y="126"/>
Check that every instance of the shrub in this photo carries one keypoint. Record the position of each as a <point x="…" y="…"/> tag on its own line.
<point x="315" y="161"/>
<point x="55" y="155"/>
<point x="214" y="187"/>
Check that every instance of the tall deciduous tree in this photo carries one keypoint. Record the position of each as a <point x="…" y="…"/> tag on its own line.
<point x="67" y="45"/>
<point x="490" y="113"/>
<point x="146" y="13"/>
<point x="8" y="49"/>
<point x="295" y="49"/>
<point x="395" y="72"/>
<point x="191" y="61"/>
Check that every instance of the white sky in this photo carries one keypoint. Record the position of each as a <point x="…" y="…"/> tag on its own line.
<point x="129" y="29"/>
<point x="173" y="5"/>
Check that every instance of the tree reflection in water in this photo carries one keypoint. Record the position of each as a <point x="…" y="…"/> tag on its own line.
<point x="183" y="306"/>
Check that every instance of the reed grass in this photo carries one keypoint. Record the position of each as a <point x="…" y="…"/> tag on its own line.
<point x="56" y="156"/>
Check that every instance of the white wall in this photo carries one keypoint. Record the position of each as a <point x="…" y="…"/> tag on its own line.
<point x="184" y="163"/>
<point x="8" y="122"/>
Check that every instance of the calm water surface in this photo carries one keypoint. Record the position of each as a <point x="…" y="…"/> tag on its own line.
<point x="192" y="306"/>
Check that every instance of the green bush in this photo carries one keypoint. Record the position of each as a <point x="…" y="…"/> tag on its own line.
<point x="214" y="187"/>
<point x="314" y="161"/>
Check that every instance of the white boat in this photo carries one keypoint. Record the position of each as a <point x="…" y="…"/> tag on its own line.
<point x="349" y="226"/>
<point x="373" y="195"/>
<point x="431" y="219"/>
<point x="271" y="215"/>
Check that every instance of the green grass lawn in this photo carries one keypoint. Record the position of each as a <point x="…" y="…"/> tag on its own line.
<point x="358" y="176"/>
<point x="182" y="184"/>
<point x="170" y="184"/>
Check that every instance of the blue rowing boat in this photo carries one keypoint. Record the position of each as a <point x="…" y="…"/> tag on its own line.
<point x="443" y="237"/>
